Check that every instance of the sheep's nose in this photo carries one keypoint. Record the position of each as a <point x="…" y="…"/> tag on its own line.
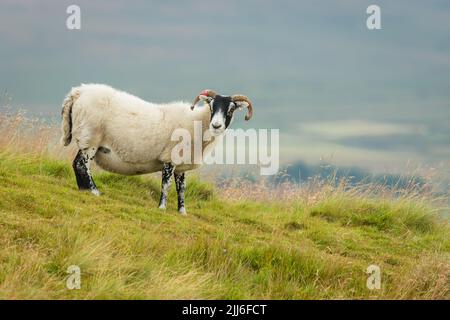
<point x="216" y="125"/>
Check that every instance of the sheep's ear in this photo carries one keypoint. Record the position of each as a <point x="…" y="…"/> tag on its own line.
<point x="205" y="98"/>
<point x="205" y="95"/>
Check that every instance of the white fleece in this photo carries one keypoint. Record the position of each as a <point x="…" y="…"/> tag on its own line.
<point x="136" y="132"/>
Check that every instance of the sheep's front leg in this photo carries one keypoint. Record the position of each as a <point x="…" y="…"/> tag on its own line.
<point x="180" y="183"/>
<point x="167" y="173"/>
<point x="81" y="165"/>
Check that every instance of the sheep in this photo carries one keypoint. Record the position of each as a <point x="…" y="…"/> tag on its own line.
<point x="127" y="135"/>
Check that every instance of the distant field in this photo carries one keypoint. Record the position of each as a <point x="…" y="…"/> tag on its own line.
<point x="127" y="248"/>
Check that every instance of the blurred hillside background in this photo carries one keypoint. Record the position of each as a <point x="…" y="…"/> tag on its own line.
<point x="373" y="101"/>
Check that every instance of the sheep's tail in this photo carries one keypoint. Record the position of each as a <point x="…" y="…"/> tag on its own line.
<point x="66" y="113"/>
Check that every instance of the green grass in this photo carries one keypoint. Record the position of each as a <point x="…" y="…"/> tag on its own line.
<point x="127" y="248"/>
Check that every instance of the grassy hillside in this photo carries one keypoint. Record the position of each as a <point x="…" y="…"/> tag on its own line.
<point x="127" y="248"/>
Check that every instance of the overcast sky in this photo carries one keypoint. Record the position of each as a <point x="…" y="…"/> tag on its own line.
<point x="335" y="89"/>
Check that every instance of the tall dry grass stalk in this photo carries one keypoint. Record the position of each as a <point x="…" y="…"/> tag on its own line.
<point x="22" y="134"/>
<point x="317" y="189"/>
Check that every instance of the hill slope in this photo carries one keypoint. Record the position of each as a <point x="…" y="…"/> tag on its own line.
<point x="127" y="248"/>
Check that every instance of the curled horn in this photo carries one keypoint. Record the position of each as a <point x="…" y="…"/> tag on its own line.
<point x="241" y="98"/>
<point x="208" y="93"/>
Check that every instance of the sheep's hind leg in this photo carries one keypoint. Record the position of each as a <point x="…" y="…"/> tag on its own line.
<point x="180" y="183"/>
<point x="167" y="173"/>
<point x="81" y="165"/>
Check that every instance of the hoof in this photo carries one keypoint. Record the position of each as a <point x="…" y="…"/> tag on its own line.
<point x="182" y="211"/>
<point x="95" y="192"/>
<point x="162" y="207"/>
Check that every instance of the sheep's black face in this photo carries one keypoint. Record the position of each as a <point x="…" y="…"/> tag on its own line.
<point x="222" y="109"/>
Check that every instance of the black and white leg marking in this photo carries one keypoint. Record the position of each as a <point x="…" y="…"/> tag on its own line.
<point x="167" y="173"/>
<point x="81" y="165"/>
<point x="180" y="183"/>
